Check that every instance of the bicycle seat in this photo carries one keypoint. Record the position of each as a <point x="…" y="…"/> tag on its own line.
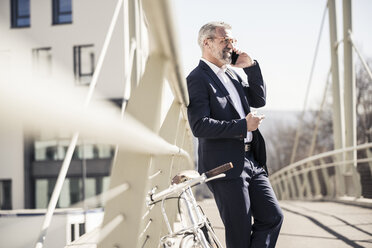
<point x="185" y="175"/>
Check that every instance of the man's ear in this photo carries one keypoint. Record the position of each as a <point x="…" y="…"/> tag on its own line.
<point x="206" y="43"/>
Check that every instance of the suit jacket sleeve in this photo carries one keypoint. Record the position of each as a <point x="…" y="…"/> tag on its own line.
<point x="199" y="113"/>
<point x="256" y="91"/>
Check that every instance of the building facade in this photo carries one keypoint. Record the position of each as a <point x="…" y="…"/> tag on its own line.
<point x="57" y="41"/>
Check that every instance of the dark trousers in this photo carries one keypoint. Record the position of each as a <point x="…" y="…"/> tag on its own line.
<point x="240" y="199"/>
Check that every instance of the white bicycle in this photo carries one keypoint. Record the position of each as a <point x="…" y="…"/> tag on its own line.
<point x="196" y="230"/>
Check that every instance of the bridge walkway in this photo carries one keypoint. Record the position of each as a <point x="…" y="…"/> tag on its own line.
<point x="309" y="224"/>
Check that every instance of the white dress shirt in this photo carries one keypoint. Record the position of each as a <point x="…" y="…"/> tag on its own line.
<point x="230" y="87"/>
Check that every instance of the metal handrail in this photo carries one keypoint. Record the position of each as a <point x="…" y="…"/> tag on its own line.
<point x="288" y="178"/>
<point x="326" y="165"/>
<point x="165" y="35"/>
<point x="319" y="156"/>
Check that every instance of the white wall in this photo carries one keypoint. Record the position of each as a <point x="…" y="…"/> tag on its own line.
<point x="11" y="161"/>
<point x="91" y="19"/>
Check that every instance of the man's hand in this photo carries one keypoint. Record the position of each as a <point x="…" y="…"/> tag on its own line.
<point x="244" y="60"/>
<point x="253" y="121"/>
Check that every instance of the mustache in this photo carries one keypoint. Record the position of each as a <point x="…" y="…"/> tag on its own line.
<point x="226" y="55"/>
<point x="227" y="50"/>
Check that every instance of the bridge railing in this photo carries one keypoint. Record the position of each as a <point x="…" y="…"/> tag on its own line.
<point x="128" y="221"/>
<point x="326" y="175"/>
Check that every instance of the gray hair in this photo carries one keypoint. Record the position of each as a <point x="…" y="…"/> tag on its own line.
<point x="209" y="31"/>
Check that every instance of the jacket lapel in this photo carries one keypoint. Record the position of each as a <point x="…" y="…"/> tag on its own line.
<point x="214" y="77"/>
<point x="239" y="88"/>
<point x="217" y="82"/>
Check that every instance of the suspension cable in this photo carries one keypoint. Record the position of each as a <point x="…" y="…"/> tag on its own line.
<point x="317" y="122"/>
<point x="359" y="55"/>
<point x="298" y="131"/>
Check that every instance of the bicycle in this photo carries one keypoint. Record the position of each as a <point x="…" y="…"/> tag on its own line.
<point x="198" y="231"/>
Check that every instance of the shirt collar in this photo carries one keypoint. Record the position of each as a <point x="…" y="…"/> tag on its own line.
<point x="214" y="67"/>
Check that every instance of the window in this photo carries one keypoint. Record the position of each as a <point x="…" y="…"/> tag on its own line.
<point x="72" y="191"/>
<point x="77" y="230"/>
<point x="75" y="187"/>
<point x="51" y="153"/>
<point x="62" y="11"/>
<point x="42" y="61"/>
<point x="20" y="13"/>
<point x="72" y="232"/>
<point x="81" y="229"/>
<point x="5" y="194"/>
<point x="44" y="189"/>
<point x="83" y="63"/>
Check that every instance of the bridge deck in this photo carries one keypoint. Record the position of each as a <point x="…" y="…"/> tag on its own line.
<point x="314" y="224"/>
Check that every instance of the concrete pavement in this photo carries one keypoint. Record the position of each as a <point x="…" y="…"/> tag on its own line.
<point x="314" y="224"/>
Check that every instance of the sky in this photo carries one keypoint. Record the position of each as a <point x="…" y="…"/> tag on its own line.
<point x="282" y="36"/>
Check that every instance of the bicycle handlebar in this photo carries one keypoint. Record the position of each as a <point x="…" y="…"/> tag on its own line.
<point x="218" y="170"/>
<point x="207" y="176"/>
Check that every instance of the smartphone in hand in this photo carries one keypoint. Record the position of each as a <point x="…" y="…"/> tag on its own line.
<point x="234" y="57"/>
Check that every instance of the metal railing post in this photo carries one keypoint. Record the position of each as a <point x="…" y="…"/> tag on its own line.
<point x="164" y="164"/>
<point x="340" y="180"/>
<point x="315" y="179"/>
<point x="145" y="106"/>
<point x="292" y="186"/>
<point x="326" y="179"/>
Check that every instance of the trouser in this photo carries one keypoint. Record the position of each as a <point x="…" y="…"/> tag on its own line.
<point x="240" y="199"/>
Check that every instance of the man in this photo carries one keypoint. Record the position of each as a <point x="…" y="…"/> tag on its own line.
<point x="220" y="117"/>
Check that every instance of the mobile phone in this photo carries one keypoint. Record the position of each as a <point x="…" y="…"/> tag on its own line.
<point x="234" y="57"/>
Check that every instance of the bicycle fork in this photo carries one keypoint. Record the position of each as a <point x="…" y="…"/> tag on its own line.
<point x="196" y="217"/>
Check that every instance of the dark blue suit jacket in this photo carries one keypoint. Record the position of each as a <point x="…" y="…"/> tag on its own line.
<point x="216" y="123"/>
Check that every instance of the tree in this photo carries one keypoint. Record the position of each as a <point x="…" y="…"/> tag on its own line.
<point x="280" y="143"/>
<point x="364" y="105"/>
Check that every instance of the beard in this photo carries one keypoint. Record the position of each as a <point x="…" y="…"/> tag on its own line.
<point x="224" y="55"/>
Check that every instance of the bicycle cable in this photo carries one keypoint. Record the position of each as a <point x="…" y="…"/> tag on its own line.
<point x="167" y="198"/>
<point x="179" y="205"/>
